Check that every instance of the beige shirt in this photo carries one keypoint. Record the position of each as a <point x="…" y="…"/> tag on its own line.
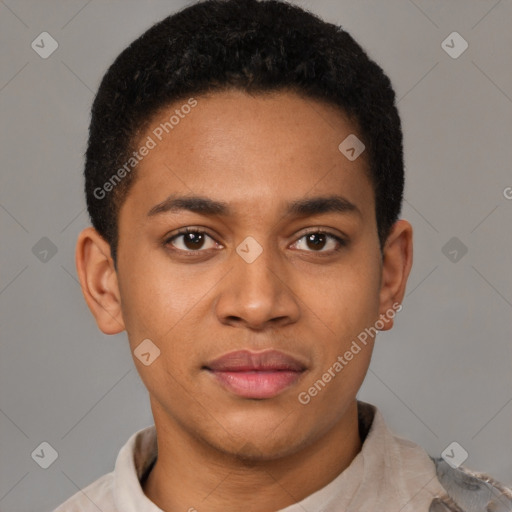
<point x="388" y="474"/>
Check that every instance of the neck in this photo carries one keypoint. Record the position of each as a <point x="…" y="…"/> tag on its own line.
<point x="190" y="475"/>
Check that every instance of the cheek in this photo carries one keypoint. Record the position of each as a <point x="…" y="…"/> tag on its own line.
<point x="155" y="307"/>
<point x="158" y="299"/>
<point x="348" y="300"/>
<point x="146" y="298"/>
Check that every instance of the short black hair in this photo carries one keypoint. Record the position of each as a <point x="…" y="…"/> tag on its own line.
<point x="253" y="46"/>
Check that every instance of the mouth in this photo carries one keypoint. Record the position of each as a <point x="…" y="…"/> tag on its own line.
<point x="256" y="375"/>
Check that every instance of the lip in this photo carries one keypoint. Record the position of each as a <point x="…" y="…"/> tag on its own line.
<point x="256" y="375"/>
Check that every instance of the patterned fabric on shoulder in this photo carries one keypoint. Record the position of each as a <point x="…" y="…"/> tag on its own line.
<point x="467" y="491"/>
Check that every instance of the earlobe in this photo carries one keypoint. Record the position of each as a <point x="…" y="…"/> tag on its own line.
<point x="98" y="279"/>
<point x="396" y="266"/>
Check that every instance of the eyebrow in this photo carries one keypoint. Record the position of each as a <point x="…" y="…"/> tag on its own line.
<point x="299" y="208"/>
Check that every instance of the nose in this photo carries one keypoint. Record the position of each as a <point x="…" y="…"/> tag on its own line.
<point x="258" y="294"/>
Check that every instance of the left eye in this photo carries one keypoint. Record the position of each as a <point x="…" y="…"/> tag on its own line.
<point x="192" y="241"/>
<point x="318" y="241"/>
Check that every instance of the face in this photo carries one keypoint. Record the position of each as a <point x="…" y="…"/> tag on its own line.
<point x="248" y="254"/>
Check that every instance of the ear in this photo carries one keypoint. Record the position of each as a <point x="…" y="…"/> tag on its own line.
<point x="98" y="279"/>
<point x="396" y="265"/>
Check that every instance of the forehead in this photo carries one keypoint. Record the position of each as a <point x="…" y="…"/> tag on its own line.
<point x="248" y="150"/>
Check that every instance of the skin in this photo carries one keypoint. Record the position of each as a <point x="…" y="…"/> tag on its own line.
<point x="256" y="154"/>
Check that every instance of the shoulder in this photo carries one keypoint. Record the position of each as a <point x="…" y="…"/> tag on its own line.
<point x="442" y="487"/>
<point x="468" y="491"/>
<point x="98" y="495"/>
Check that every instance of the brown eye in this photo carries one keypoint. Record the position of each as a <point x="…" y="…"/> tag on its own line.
<point x="189" y="240"/>
<point x="319" y="241"/>
<point x="316" y="241"/>
<point x="193" y="241"/>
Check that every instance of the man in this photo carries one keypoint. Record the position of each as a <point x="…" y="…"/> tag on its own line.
<point x="244" y="178"/>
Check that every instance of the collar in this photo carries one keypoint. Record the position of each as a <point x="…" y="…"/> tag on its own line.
<point x="389" y="473"/>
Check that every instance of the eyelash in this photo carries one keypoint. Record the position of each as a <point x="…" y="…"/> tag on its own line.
<point x="341" y="242"/>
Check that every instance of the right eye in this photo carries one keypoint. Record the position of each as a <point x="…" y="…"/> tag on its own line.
<point x="191" y="240"/>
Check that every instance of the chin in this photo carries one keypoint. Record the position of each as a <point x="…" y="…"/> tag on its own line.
<point x="263" y="449"/>
<point x="257" y="441"/>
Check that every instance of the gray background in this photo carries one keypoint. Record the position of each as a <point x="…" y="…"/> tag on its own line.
<point x="442" y="374"/>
